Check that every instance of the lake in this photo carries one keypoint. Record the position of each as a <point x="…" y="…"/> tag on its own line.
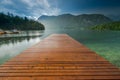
<point x="105" y="43"/>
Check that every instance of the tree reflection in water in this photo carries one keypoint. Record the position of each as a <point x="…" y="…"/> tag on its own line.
<point x="12" y="45"/>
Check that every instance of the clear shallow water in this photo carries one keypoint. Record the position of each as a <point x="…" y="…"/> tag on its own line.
<point x="106" y="44"/>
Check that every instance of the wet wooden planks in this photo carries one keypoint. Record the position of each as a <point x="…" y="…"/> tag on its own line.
<point x="58" y="57"/>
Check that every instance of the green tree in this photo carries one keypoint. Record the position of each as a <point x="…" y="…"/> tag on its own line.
<point x="9" y="21"/>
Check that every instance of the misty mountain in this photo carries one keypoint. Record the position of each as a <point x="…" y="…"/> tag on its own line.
<point x="114" y="17"/>
<point x="68" y="21"/>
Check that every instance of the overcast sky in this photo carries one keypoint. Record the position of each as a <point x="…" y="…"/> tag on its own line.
<point x="36" y="8"/>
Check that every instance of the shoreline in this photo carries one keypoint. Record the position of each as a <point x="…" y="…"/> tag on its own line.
<point x="9" y="32"/>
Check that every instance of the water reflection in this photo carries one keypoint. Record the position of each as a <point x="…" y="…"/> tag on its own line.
<point x="24" y="33"/>
<point x="12" y="45"/>
<point x="15" y="40"/>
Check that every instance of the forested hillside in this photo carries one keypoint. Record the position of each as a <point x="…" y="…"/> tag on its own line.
<point x="108" y="26"/>
<point x="9" y="21"/>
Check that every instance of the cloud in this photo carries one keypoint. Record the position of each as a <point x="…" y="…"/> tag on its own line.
<point x="35" y="3"/>
<point x="6" y="2"/>
<point x="30" y="8"/>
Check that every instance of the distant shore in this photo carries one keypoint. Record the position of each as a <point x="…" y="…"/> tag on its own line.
<point x="9" y="32"/>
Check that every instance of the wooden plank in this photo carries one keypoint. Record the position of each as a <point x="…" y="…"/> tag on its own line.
<point x="58" y="57"/>
<point x="25" y="74"/>
<point x="55" y="68"/>
<point x="63" y="78"/>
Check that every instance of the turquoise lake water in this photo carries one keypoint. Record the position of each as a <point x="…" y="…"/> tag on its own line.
<point x="105" y="43"/>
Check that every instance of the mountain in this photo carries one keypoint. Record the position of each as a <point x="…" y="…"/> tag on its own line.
<point x="114" y="17"/>
<point x="9" y="21"/>
<point x="108" y="26"/>
<point x="69" y="21"/>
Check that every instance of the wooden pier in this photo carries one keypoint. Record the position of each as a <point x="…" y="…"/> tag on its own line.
<point x="58" y="57"/>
